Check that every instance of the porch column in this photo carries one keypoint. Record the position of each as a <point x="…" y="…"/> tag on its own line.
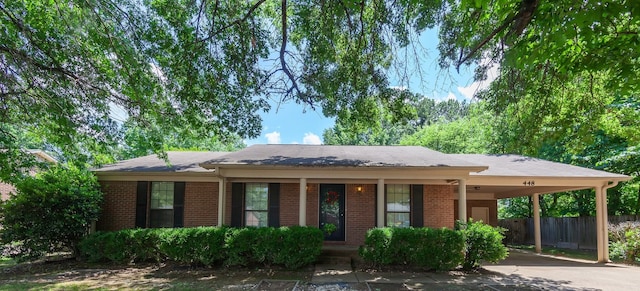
<point x="221" y="199"/>
<point x="302" y="212"/>
<point x="601" y="231"/>
<point x="536" y="222"/>
<point x="462" y="200"/>
<point x="605" y="224"/>
<point x="380" y="203"/>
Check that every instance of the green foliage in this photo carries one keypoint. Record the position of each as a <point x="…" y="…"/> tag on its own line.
<point x="433" y="249"/>
<point x="51" y="211"/>
<point x="292" y="247"/>
<point x="625" y="242"/>
<point x="483" y="243"/>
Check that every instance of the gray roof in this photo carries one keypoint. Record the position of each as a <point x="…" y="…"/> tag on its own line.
<point x="521" y="166"/>
<point x="345" y="156"/>
<point x="180" y="162"/>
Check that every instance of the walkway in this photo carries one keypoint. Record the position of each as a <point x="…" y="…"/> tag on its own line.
<point x="521" y="271"/>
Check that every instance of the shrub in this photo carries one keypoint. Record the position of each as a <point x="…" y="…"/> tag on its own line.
<point x="292" y="247"/>
<point x="434" y="249"/>
<point x="200" y="245"/>
<point x="50" y="212"/>
<point x="625" y="241"/>
<point x="483" y="243"/>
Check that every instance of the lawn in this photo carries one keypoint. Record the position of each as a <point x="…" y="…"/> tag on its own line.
<point x="74" y="275"/>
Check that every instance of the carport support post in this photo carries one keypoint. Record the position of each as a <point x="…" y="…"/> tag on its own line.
<point x="380" y="203"/>
<point x="302" y="212"/>
<point x="601" y="227"/>
<point x="462" y="200"/>
<point x="536" y="222"/>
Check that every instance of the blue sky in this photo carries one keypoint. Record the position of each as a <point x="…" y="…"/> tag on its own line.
<point x="287" y="124"/>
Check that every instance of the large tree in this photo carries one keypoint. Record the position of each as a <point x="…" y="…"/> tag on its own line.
<point x="71" y="71"/>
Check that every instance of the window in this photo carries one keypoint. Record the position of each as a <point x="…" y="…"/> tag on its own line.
<point x="398" y="205"/>
<point x="256" y="210"/>
<point x="161" y="204"/>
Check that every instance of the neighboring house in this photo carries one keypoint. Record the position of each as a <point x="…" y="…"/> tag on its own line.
<point x="355" y="188"/>
<point x="41" y="156"/>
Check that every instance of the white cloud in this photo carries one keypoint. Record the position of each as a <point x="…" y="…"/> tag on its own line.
<point x="477" y="86"/>
<point x="451" y="96"/>
<point x="310" y="138"/>
<point x="273" y="137"/>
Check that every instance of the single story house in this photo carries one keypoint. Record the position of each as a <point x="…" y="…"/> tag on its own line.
<point x="355" y="188"/>
<point x="40" y="156"/>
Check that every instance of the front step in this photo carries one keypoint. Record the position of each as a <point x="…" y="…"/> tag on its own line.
<point x="334" y="260"/>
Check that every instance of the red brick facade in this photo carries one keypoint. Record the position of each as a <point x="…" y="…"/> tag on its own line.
<point x="201" y="206"/>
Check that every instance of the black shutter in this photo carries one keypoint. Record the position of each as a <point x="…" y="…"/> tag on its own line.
<point x="178" y="204"/>
<point x="141" y="204"/>
<point x="375" y="205"/>
<point x="274" y="205"/>
<point x="237" y="197"/>
<point x="417" y="205"/>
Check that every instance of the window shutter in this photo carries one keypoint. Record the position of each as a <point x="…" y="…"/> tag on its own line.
<point x="237" y="195"/>
<point x="141" y="204"/>
<point x="178" y="204"/>
<point x="417" y="205"/>
<point x="274" y="205"/>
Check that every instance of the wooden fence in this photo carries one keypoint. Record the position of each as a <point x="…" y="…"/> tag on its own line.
<point x="578" y="232"/>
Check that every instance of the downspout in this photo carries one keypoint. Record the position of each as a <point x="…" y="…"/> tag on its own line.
<point x="221" y="195"/>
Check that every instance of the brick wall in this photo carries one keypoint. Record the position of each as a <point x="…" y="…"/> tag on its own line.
<point x="5" y="189"/>
<point x="201" y="204"/>
<point x="360" y="212"/>
<point x="289" y="204"/>
<point x="312" y="205"/>
<point x="491" y="204"/>
<point x="438" y="206"/>
<point x="119" y="207"/>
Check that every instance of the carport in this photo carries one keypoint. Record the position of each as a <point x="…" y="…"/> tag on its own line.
<point x="516" y="176"/>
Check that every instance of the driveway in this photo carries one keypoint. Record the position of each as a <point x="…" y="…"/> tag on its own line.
<point x="554" y="273"/>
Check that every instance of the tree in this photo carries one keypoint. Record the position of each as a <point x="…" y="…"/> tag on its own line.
<point x="50" y="212"/>
<point x="207" y="66"/>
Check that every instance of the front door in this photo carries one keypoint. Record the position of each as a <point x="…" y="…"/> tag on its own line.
<point x="332" y="211"/>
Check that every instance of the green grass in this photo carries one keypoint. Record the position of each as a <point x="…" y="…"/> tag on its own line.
<point x="590" y="255"/>
<point x="6" y="262"/>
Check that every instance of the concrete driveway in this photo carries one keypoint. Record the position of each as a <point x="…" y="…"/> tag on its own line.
<point x="553" y="273"/>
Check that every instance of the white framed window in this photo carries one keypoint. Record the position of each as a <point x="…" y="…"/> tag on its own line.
<point x="161" y="204"/>
<point x="398" y="205"/>
<point x="256" y="204"/>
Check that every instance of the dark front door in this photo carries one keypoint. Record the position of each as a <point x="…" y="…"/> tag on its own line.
<point x="332" y="210"/>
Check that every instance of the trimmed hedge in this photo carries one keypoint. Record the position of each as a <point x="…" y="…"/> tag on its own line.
<point x="292" y="247"/>
<point x="434" y="249"/>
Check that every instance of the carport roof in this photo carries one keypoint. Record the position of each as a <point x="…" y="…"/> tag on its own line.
<point x="521" y="166"/>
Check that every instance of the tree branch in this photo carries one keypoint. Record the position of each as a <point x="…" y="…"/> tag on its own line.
<point x="283" y="49"/>
<point x="236" y="22"/>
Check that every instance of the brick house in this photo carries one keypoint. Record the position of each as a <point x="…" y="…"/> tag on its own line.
<point x="40" y="156"/>
<point x="354" y="188"/>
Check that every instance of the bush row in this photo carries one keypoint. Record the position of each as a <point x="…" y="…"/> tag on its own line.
<point x="434" y="249"/>
<point x="625" y="241"/>
<point x="291" y="247"/>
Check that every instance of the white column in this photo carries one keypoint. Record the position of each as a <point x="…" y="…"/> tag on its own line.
<point x="380" y="203"/>
<point x="601" y="234"/>
<point x="605" y="224"/>
<point x="302" y="212"/>
<point x="221" y="201"/>
<point x="536" y="222"/>
<point x="462" y="200"/>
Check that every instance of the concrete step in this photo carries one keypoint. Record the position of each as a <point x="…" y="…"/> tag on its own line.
<point x="334" y="260"/>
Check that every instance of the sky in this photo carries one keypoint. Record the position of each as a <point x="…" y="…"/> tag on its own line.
<point x="290" y="124"/>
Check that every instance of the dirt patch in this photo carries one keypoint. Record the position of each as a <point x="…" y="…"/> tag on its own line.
<point x="70" y="273"/>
